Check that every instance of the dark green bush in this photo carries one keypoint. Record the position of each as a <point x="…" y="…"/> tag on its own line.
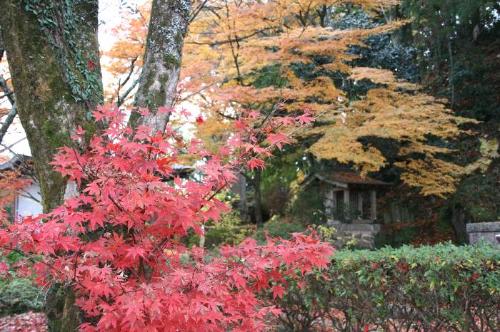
<point x="279" y="227"/>
<point x="19" y="295"/>
<point x="431" y="288"/>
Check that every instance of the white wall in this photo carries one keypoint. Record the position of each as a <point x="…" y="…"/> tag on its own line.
<point x="27" y="206"/>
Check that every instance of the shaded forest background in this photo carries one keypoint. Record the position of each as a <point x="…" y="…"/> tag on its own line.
<point x="450" y="49"/>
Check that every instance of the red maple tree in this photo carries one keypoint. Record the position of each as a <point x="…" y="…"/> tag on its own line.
<point x="119" y="242"/>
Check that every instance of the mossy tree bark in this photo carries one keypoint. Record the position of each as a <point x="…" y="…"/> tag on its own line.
<point x="162" y="61"/>
<point x="53" y="57"/>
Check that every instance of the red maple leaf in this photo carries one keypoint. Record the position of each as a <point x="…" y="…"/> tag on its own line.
<point x="256" y="163"/>
<point x="278" y="291"/>
<point x="278" y="139"/>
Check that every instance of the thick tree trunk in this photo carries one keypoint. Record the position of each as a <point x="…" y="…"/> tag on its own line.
<point x="162" y="61"/>
<point x="53" y="57"/>
<point x="62" y="315"/>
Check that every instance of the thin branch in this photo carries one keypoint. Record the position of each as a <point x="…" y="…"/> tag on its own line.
<point x="8" y="92"/>
<point x="197" y="11"/>
<point x="6" y="95"/>
<point x="25" y="165"/>
<point x="8" y="121"/>
<point x="122" y="84"/>
<point x="197" y="92"/>
<point x="12" y="113"/>
<point x="2" y="48"/>
<point x="121" y="99"/>
<point x="9" y="147"/>
<point x="30" y="196"/>
<point x="131" y="70"/>
<point x="230" y="40"/>
<point x="226" y="116"/>
<point x="213" y="10"/>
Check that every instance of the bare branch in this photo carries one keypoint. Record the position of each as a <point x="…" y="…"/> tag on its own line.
<point x="9" y="147"/>
<point x="12" y="113"/>
<point x="125" y="81"/>
<point x="7" y="91"/>
<point x="28" y="169"/>
<point x="230" y="40"/>
<point x="30" y="196"/>
<point x="197" y="10"/>
<point x="199" y="91"/>
<point x="8" y="121"/>
<point x="121" y="99"/>
<point x="6" y="95"/>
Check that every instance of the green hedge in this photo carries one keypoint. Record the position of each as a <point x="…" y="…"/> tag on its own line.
<point x="19" y="295"/>
<point x="430" y="288"/>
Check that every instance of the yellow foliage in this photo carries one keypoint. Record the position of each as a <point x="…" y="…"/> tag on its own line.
<point x="405" y="117"/>
<point x="229" y="42"/>
<point x="381" y="76"/>
<point x="432" y="175"/>
<point x="214" y="132"/>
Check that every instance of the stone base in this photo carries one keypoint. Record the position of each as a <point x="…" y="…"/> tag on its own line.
<point x="488" y="232"/>
<point x="355" y="235"/>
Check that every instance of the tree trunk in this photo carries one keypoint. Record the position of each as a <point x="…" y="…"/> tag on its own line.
<point x="242" y="191"/>
<point x="62" y="314"/>
<point x="458" y="223"/>
<point x="9" y="94"/>
<point x="258" y="198"/>
<point x="324" y="14"/>
<point x="451" y="74"/>
<point x="162" y="61"/>
<point x="53" y="56"/>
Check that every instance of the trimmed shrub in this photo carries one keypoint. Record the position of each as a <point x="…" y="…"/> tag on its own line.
<point x="430" y="288"/>
<point x="229" y="230"/>
<point x="18" y="296"/>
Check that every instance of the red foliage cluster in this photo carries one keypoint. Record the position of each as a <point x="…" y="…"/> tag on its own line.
<point x="119" y="242"/>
